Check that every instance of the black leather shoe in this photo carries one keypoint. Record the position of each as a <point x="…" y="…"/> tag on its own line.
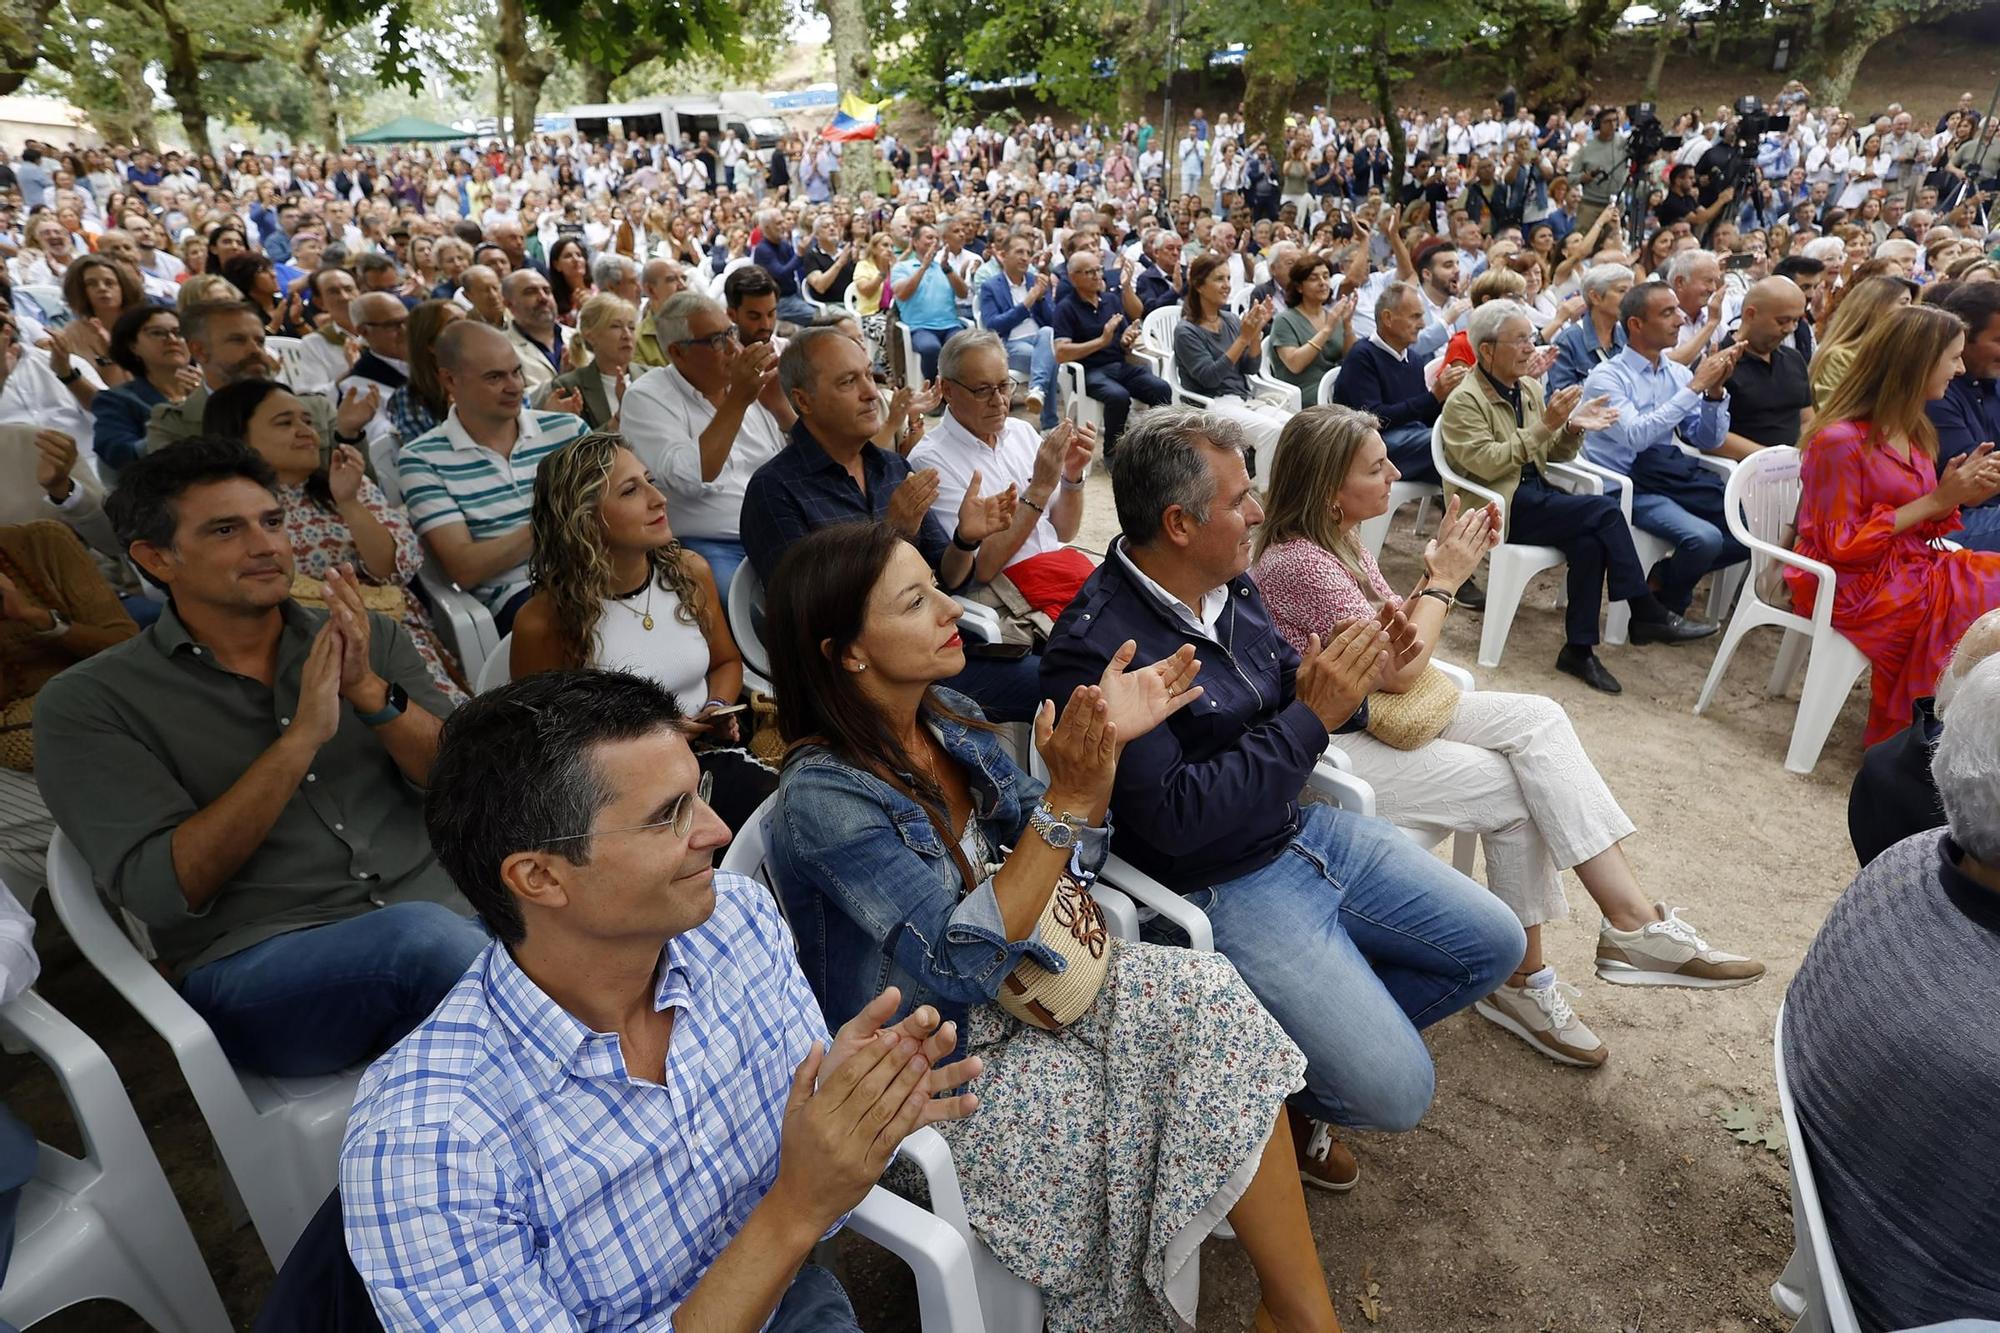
<point x="1471" y="596"/>
<point x="1674" y="629"/>
<point x="1583" y="664"/>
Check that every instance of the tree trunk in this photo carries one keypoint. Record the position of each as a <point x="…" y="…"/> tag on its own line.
<point x="499" y="97"/>
<point x="1379" y="71"/>
<point x="596" y="81"/>
<point x="1662" y="42"/>
<point x="1843" y="43"/>
<point x="183" y="79"/>
<point x="21" y="42"/>
<point x="853" y="72"/>
<point x="1267" y="93"/>
<point x="527" y="68"/>
<point x="319" y="85"/>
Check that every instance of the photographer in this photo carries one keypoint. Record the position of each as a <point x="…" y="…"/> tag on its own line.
<point x="1597" y="170"/>
<point x="1682" y="204"/>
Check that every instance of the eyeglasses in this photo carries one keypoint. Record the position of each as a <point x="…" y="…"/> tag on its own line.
<point x="680" y="815"/>
<point x="714" y="342"/>
<point x="988" y="392"/>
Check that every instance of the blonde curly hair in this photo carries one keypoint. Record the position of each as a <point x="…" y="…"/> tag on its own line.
<point x="571" y="564"/>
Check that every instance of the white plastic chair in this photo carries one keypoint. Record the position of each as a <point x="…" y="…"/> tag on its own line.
<point x="1762" y="496"/>
<point x="1077" y="404"/>
<point x="279" y="1138"/>
<point x="496" y="670"/>
<point x="382" y="453"/>
<point x="1293" y="398"/>
<point x="106" y="1225"/>
<point x="292" y="367"/>
<point x="1652" y="549"/>
<point x="1326" y="383"/>
<point x="1512" y="564"/>
<point x="746" y="605"/>
<point x="913" y="368"/>
<point x="467" y="624"/>
<point x="1811" y="1289"/>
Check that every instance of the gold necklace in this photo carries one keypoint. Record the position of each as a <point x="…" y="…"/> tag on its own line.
<point x="645" y="616"/>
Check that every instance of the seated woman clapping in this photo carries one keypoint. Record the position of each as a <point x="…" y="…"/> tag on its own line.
<point x="1215" y="353"/>
<point x="910" y="850"/>
<point x="615" y="588"/>
<point x="1506" y="766"/>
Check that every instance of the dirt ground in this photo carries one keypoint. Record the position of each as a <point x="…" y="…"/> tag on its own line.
<point x="1533" y="1197"/>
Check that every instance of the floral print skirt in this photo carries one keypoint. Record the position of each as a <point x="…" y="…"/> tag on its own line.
<point x="1103" y="1154"/>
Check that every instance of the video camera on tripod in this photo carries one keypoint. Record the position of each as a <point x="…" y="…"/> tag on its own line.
<point x="1737" y="167"/>
<point x="1647" y="136"/>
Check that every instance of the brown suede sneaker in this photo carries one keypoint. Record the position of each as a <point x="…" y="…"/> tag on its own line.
<point x="1324" y="1161"/>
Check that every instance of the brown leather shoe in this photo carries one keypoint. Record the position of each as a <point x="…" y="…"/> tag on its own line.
<point x="1324" y="1161"/>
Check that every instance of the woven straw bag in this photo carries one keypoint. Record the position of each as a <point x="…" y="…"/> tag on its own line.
<point x="17" y="735"/>
<point x="1072" y="924"/>
<point x="1417" y="716"/>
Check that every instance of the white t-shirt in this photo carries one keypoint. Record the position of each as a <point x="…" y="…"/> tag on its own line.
<point x="673" y="653"/>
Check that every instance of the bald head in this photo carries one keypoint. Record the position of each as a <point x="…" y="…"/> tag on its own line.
<point x="466" y="340"/>
<point x="1772" y="308"/>
<point x="531" y="302"/>
<point x="1980" y="641"/>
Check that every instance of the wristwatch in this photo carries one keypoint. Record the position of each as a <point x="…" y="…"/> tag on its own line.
<point x="1059" y="831"/>
<point x="392" y="708"/>
<point x="71" y="378"/>
<point x="58" y="626"/>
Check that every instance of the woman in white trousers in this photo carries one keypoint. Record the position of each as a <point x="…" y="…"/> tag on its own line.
<point x="1508" y="767"/>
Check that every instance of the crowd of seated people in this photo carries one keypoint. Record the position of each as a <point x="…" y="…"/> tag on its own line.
<point x="591" y="433"/>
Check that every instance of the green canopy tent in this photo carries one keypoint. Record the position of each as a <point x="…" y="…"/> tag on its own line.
<point x="409" y="129"/>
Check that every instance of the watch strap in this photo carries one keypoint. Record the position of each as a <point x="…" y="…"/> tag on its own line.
<point x="392" y="708"/>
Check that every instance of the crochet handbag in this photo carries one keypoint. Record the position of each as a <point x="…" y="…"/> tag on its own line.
<point x="17" y="735"/>
<point x="1072" y="926"/>
<point x="381" y="598"/>
<point x="1416" y="717"/>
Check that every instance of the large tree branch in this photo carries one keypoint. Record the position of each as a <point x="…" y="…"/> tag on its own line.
<point x="230" y="57"/>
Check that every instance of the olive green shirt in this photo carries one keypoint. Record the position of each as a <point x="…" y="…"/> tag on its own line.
<point x="144" y="735"/>
<point x="1292" y="329"/>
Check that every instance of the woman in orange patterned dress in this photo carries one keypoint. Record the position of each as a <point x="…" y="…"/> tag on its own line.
<point x="1873" y="503"/>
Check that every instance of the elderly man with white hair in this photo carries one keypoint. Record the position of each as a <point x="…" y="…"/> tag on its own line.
<point x="704" y="423"/>
<point x="1696" y="278"/>
<point x="1498" y="430"/>
<point x="1901" y="252"/>
<point x="661" y="280"/>
<point x="383" y="322"/>
<point x="1893" y="796"/>
<point x="777" y="256"/>
<point x="1892" y="1047"/>
<point x="618" y="275"/>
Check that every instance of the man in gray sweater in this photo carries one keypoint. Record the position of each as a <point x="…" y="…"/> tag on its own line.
<point x="1892" y="1047"/>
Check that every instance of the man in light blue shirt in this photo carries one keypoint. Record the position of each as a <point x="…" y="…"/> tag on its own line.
<point x="612" y="1120"/>
<point x="927" y="293"/>
<point x="1673" y="496"/>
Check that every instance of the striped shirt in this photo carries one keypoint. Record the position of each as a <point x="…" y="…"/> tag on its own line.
<point x="449" y="478"/>
<point x="502" y="1170"/>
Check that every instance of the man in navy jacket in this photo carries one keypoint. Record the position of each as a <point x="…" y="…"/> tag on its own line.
<point x="1349" y="933"/>
<point x="1015" y="304"/>
<point x="1379" y="375"/>
<point x="1969" y="413"/>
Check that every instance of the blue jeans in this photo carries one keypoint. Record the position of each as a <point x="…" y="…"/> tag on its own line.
<point x="1410" y="450"/>
<point x="18" y="1154"/>
<point x="1356" y="939"/>
<point x="723" y="557"/>
<point x="928" y="342"/>
<point x="143" y="610"/>
<point x="814" y="1303"/>
<point x="326" y="998"/>
<point x="1982" y="529"/>
<point x="1700" y="536"/>
<point x="797" y="309"/>
<point x="1037" y="356"/>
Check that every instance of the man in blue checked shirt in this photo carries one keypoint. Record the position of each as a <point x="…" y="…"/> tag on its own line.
<point x="627" y="1114"/>
<point x="1673" y="495"/>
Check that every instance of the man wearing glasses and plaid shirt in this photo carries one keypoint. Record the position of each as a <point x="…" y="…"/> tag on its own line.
<point x="628" y="1113"/>
<point x="704" y="422"/>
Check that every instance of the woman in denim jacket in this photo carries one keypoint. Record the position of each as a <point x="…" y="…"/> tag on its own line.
<point x="1175" y="1063"/>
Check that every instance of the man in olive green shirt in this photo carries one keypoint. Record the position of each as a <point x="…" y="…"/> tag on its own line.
<point x="1598" y="169"/>
<point x="245" y="779"/>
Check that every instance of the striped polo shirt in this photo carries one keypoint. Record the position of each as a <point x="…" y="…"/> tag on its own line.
<point x="450" y="478"/>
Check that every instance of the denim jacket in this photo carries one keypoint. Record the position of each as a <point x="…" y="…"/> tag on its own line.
<point x="873" y="892"/>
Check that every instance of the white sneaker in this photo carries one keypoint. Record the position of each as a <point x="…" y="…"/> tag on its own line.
<point x="1539" y="1014"/>
<point x="1669" y="952"/>
<point x="1033" y="404"/>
